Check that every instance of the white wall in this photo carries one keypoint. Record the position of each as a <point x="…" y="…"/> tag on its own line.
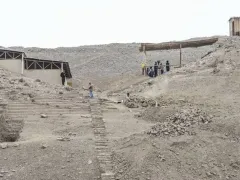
<point x="230" y="27"/>
<point x="12" y="65"/>
<point x="236" y="26"/>
<point x="47" y="75"/>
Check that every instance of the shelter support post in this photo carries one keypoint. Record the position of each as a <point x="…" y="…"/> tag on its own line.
<point x="62" y="67"/>
<point x="180" y="55"/>
<point x="22" y="64"/>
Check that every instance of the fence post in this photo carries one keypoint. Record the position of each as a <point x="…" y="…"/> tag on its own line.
<point x="180" y="55"/>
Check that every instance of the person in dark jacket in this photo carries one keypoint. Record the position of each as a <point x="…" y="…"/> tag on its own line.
<point x="151" y="72"/>
<point x="167" y="66"/>
<point x="156" y="69"/>
<point x="161" y="68"/>
<point x="63" y="76"/>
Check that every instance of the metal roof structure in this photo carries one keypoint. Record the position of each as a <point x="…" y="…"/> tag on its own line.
<point x="11" y="54"/>
<point x="34" y="63"/>
<point x="11" y="50"/>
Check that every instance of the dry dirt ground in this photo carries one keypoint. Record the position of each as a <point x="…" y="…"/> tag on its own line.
<point x="185" y="125"/>
<point x="212" y="152"/>
<point x="60" y="146"/>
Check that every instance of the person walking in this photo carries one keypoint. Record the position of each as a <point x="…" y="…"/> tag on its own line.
<point x="167" y="66"/>
<point x="90" y="89"/>
<point x="63" y="76"/>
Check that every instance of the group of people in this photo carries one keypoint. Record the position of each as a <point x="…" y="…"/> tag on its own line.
<point x="157" y="69"/>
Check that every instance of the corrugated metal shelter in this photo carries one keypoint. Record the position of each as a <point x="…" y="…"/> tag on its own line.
<point x="234" y="26"/>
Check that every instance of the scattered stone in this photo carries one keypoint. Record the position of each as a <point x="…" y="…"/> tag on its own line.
<point x="150" y="83"/>
<point x="60" y="92"/>
<point x="26" y="84"/>
<point x="31" y="95"/>
<point x="37" y="80"/>
<point x="68" y="88"/>
<point x="4" y="145"/>
<point x="86" y="116"/>
<point x="15" y="145"/>
<point x="138" y="115"/>
<point x="21" y="80"/>
<point x="72" y="134"/>
<point x="44" y="116"/>
<point x="89" y="162"/>
<point x="1" y="175"/>
<point x="63" y="139"/>
<point x="235" y="165"/>
<point x="43" y="146"/>
<point x="209" y="174"/>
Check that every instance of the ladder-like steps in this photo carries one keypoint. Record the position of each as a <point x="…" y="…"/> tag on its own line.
<point x="101" y="142"/>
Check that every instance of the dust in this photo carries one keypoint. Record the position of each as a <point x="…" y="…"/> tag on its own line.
<point x="160" y="86"/>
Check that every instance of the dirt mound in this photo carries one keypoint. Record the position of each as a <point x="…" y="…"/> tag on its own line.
<point x="180" y="123"/>
<point x="16" y="87"/>
<point x="10" y="129"/>
<point x="221" y="59"/>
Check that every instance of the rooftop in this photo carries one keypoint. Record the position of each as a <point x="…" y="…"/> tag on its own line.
<point x="10" y="50"/>
<point x="234" y="18"/>
<point x="66" y="67"/>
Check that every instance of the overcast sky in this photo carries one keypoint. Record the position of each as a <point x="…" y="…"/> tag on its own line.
<point x="54" y="23"/>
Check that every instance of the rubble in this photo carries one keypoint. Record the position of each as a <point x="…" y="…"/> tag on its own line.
<point x="180" y="123"/>
<point x="136" y="101"/>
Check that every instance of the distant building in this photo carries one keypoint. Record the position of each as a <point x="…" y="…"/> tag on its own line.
<point x="234" y="26"/>
<point x="45" y="70"/>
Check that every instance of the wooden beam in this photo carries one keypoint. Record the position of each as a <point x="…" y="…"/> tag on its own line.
<point x="176" y="44"/>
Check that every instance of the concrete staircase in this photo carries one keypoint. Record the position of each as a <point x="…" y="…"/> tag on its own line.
<point x="53" y="107"/>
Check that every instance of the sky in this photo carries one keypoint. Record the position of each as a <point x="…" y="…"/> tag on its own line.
<point x="68" y="23"/>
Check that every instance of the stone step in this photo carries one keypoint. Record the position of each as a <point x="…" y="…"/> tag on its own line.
<point x="64" y="104"/>
<point x="38" y="113"/>
<point x="47" y="109"/>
